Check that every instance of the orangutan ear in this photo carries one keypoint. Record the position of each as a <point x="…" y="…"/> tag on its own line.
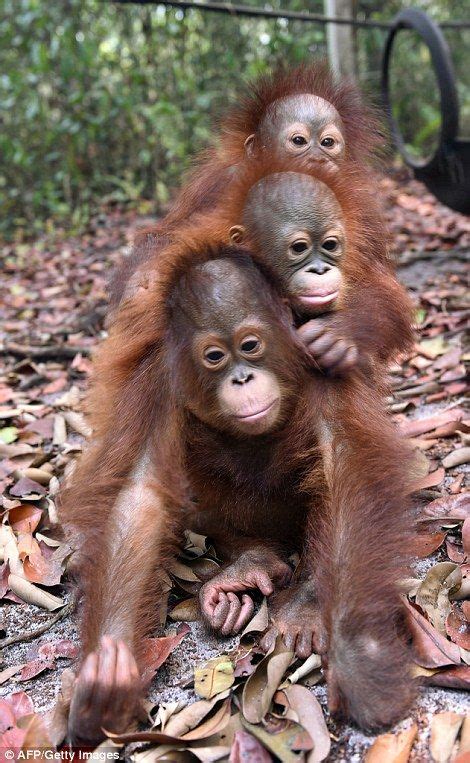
<point x="236" y="234"/>
<point x="249" y="145"/>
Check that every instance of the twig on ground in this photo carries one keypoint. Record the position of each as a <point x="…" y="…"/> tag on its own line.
<point x="48" y="352"/>
<point x="21" y="637"/>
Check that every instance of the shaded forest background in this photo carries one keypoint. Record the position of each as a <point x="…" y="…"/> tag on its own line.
<point x="105" y="103"/>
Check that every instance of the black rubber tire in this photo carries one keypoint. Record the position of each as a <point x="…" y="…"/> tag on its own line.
<point x="432" y="36"/>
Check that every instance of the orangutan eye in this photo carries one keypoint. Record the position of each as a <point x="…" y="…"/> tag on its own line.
<point x="331" y="244"/>
<point x="213" y="356"/>
<point x="299" y="140"/>
<point x="299" y="248"/>
<point x="251" y="345"/>
<point x="327" y="142"/>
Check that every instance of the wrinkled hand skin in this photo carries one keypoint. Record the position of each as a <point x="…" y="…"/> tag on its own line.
<point x="258" y="569"/>
<point x="106" y="693"/>
<point x="327" y="345"/>
<point x="294" y="613"/>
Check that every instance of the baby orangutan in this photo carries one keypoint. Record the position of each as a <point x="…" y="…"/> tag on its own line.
<point x="297" y="114"/>
<point x="174" y="413"/>
<point x="304" y="126"/>
<point x="332" y="457"/>
<point x="303" y="112"/>
<point x="201" y="391"/>
<point x="322" y="237"/>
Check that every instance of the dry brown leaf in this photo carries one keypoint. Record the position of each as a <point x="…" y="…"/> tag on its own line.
<point x="78" y="423"/>
<point x="433" y="594"/>
<point x="204" y="568"/>
<point x="15" y="449"/>
<point x="37" y="568"/>
<point x="31" y="594"/>
<point x="157" y="650"/>
<point x="259" y="622"/>
<point x="223" y="737"/>
<point x="42" y="476"/>
<point x="157" y="737"/>
<point x="35" y="736"/>
<point x="449" y="507"/>
<point x="191" y="716"/>
<point x="458" y="628"/>
<point x="311" y="663"/>
<point x="425" y="543"/>
<point x="214" y="677"/>
<point x="455" y="551"/>
<point x="165" y="711"/>
<point x="59" y="436"/>
<point x="310" y="716"/>
<point x="212" y="725"/>
<point x="8" y="673"/>
<point x="263" y="683"/>
<point x="417" y="671"/>
<point x="187" y="611"/>
<point x="431" y="480"/>
<point x="210" y="754"/>
<point x="466" y="536"/>
<point x="449" y="360"/>
<point x="465" y="736"/>
<point x="446" y="430"/>
<point x="9" y="550"/>
<point x="432" y="348"/>
<point x="70" y="399"/>
<point x="418" y="427"/>
<point x="420" y="465"/>
<point x="444" y="731"/>
<point x="457" y="457"/>
<point x="246" y="748"/>
<point x="24" y="518"/>
<point x="246" y="661"/>
<point x="26" y="488"/>
<point x="465" y="655"/>
<point x="432" y="650"/>
<point x="183" y="572"/>
<point x="56" y="719"/>
<point x="51" y="542"/>
<point x="195" y="544"/>
<point x="285" y="744"/>
<point x="456" y="485"/>
<point x="456" y="677"/>
<point x="392" y="748"/>
<point x="464" y="590"/>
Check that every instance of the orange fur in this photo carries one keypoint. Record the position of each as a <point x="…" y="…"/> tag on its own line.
<point x="217" y="167"/>
<point x="137" y="398"/>
<point x="361" y="547"/>
<point x="364" y="132"/>
<point x="375" y="311"/>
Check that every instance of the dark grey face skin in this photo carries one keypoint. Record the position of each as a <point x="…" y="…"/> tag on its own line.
<point x="305" y="125"/>
<point x="230" y="346"/>
<point x="298" y="227"/>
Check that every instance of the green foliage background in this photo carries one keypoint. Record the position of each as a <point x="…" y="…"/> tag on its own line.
<point x="103" y="102"/>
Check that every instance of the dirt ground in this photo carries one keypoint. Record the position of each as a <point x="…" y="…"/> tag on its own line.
<point x="55" y="295"/>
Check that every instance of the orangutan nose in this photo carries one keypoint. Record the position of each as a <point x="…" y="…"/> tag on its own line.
<point x="241" y="376"/>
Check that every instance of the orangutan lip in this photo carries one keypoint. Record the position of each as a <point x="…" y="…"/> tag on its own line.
<point x="318" y="299"/>
<point x="257" y="414"/>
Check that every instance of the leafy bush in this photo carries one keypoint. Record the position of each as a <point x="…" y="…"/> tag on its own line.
<point x="105" y="102"/>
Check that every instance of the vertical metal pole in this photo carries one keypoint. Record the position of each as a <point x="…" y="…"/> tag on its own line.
<point x="340" y="38"/>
